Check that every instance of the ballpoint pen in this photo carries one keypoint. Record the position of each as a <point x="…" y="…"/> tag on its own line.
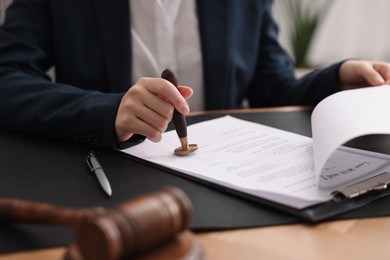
<point x="95" y="167"/>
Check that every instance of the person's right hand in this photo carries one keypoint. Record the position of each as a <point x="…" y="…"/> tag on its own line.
<point x="147" y="108"/>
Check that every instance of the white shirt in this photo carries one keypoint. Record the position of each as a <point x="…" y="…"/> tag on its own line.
<point x="165" y="34"/>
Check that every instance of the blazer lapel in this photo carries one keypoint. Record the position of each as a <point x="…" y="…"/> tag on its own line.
<point x="114" y="26"/>
<point x="213" y="26"/>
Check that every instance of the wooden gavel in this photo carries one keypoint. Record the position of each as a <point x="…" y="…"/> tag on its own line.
<point x="123" y="231"/>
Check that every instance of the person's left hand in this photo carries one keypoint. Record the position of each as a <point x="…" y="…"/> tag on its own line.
<point x="360" y="73"/>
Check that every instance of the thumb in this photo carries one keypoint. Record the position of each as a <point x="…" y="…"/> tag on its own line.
<point x="372" y="76"/>
<point x="185" y="91"/>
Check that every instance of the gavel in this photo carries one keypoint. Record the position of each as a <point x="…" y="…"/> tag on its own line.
<point x="126" y="230"/>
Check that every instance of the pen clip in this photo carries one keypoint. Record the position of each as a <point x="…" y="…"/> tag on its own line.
<point x="88" y="160"/>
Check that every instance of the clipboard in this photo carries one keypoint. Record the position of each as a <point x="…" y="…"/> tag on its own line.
<point x="270" y="182"/>
<point x="350" y="197"/>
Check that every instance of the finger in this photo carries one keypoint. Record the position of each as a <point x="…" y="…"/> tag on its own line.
<point x="150" y="123"/>
<point x="122" y="134"/>
<point x="144" y="122"/>
<point x="384" y="70"/>
<point x="162" y="87"/>
<point x="140" y="95"/>
<point x="156" y="121"/>
<point x="372" y="76"/>
<point x="185" y="91"/>
<point x="159" y="105"/>
<point x="134" y="116"/>
<point x="143" y="128"/>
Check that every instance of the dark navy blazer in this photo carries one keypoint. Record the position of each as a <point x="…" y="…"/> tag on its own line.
<point x="89" y="43"/>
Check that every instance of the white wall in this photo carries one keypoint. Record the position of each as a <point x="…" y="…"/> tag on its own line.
<point x="352" y="29"/>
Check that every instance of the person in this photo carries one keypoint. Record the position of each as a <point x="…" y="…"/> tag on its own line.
<point x="107" y="56"/>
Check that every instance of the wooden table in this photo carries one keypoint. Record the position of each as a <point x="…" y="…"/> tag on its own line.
<point x="353" y="239"/>
<point x="348" y="239"/>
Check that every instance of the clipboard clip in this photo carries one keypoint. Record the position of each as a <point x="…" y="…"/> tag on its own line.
<point x="378" y="182"/>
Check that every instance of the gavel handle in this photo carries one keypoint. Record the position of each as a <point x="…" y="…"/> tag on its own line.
<point x="32" y="212"/>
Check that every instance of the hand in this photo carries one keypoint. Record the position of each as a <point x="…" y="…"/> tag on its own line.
<point x="147" y="108"/>
<point x="358" y="74"/>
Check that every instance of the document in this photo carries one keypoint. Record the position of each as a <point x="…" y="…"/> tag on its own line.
<point x="278" y="165"/>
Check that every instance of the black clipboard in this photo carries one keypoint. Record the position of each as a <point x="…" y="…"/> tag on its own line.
<point x="354" y="197"/>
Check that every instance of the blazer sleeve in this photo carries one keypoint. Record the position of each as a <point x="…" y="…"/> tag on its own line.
<point x="274" y="83"/>
<point x="30" y="102"/>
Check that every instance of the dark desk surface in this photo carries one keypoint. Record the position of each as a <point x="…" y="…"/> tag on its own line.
<point x="347" y="239"/>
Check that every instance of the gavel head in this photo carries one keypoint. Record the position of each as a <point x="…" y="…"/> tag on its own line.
<point x="135" y="226"/>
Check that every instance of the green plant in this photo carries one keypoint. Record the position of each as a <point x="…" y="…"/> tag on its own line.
<point x="304" y="18"/>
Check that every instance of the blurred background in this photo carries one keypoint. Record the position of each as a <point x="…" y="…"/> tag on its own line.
<point x="344" y="29"/>
<point x="328" y="30"/>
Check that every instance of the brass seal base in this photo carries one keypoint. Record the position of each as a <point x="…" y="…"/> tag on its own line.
<point x="185" y="148"/>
